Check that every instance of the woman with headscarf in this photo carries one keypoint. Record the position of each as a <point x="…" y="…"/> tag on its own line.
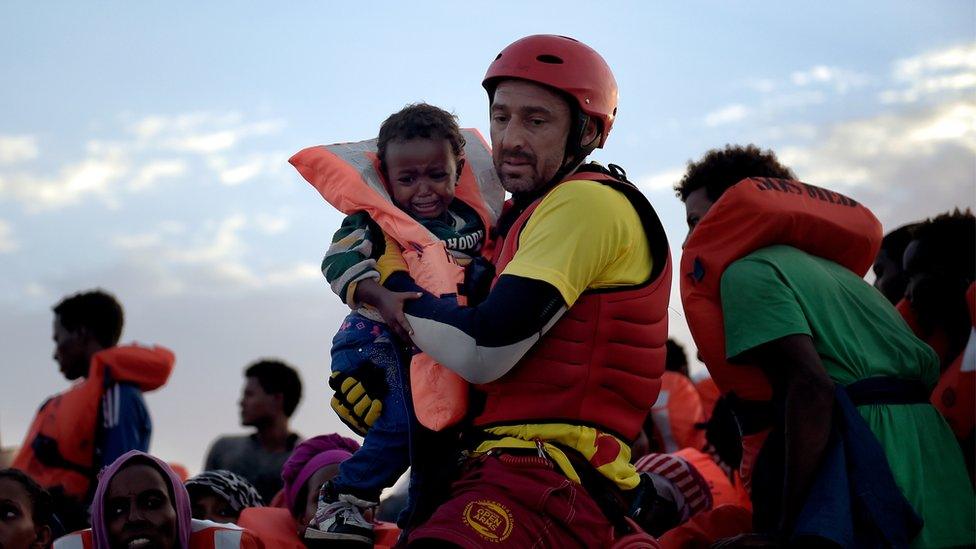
<point x="140" y="503"/>
<point x="221" y="495"/>
<point x="312" y="463"/>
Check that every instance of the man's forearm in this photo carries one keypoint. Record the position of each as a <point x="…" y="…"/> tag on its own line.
<point x="808" y="421"/>
<point x="482" y="343"/>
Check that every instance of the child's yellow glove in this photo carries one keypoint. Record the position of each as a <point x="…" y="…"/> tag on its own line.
<point x="355" y="404"/>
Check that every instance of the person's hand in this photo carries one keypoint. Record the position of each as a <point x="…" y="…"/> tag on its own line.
<point x="357" y="397"/>
<point x="390" y="306"/>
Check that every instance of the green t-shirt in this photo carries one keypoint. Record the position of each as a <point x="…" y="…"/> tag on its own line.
<point x="780" y="291"/>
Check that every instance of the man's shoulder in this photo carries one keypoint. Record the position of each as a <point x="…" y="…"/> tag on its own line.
<point x="232" y="442"/>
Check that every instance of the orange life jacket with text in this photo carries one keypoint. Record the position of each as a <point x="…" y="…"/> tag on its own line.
<point x="676" y="413"/>
<point x="751" y="215"/>
<point x="601" y="363"/>
<point x="347" y="175"/>
<point x="59" y="449"/>
<point x="205" y="535"/>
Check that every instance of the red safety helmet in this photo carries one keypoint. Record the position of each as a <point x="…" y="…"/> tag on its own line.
<point x="565" y="64"/>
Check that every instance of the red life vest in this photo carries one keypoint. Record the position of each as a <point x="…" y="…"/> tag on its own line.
<point x="601" y="363"/>
<point x="753" y="214"/>
<point x="59" y="449"/>
<point x="205" y="535"/>
<point x="348" y="176"/>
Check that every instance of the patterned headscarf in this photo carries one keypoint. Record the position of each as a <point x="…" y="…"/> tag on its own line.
<point x="234" y="488"/>
<point x="181" y="500"/>
<point x="310" y="456"/>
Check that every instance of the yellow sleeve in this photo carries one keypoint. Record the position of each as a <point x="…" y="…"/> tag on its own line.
<point x="392" y="260"/>
<point x="584" y="235"/>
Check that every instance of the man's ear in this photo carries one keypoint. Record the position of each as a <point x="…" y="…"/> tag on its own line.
<point x="280" y="400"/>
<point x="42" y="537"/>
<point x="591" y="132"/>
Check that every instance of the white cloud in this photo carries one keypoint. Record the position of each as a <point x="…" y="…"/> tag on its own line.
<point x="726" y="115"/>
<point x="948" y="71"/>
<point x="300" y="272"/>
<point x="661" y="180"/>
<point x="155" y="170"/>
<point x="840" y="79"/>
<point x="271" y="225"/>
<point x="17" y="148"/>
<point x="156" y="147"/>
<point x="904" y="165"/>
<point x="8" y="243"/>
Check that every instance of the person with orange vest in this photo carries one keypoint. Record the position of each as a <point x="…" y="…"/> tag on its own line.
<point x="102" y="416"/>
<point x="678" y="414"/>
<point x="567" y="349"/>
<point x="837" y="386"/>
<point x="940" y="266"/>
<point x="141" y="502"/>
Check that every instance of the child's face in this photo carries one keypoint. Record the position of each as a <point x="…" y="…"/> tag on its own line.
<point x="422" y="174"/>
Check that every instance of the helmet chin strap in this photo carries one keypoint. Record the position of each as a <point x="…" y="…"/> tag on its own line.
<point x="576" y="152"/>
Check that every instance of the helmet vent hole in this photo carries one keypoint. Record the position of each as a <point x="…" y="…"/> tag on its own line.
<point x="550" y="59"/>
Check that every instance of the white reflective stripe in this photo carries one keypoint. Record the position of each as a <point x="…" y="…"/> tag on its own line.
<point x="459" y="352"/>
<point x="107" y="407"/>
<point x="227" y="539"/>
<point x="478" y="156"/>
<point x="115" y="405"/>
<point x="969" y="355"/>
<point x="71" y="541"/>
<point x="356" y="154"/>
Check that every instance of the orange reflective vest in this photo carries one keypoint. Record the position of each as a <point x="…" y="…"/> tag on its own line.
<point x="754" y="214"/>
<point x="59" y="449"/>
<point x="709" y="395"/>
<point x="205" y="535"/>
<point x="677" y="412"/>
<point x="348" y="176"/>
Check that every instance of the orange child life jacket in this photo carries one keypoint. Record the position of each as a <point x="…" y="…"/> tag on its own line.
<point x="600" y="364"/>
<point x="205" y="535"/>
<point x="347" y="175"/>
<point x="59" y="449"/>
<point x="753" y="214"/>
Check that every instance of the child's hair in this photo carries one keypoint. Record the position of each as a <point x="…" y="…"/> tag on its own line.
<point x="41" y="504"/>
<point x="419" y="120"/>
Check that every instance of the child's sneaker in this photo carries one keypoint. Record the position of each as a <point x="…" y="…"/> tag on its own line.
<point x="339" y="518"/>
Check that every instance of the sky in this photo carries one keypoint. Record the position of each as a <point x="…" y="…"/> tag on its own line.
<point x="144" y="147"/>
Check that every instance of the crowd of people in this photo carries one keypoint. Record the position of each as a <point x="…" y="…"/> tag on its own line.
<point x="515" y="359"/>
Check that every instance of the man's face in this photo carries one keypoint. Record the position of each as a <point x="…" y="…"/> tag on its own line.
<point x="257" y="406"/>
<point x="70" y="350"/>
<point x="138" y="511"/>
<point x="697" y="205"/>
<point x="889" y="277"/>
<point x="529" y="128"/>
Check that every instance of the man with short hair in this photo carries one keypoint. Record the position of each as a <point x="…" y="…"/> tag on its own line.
<point x="103" y="415"/>
<point x="889" y="270"/>
<point x="567" y="349"/>
<point x="272" y="391"/>
<point x="810" y="324"/>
